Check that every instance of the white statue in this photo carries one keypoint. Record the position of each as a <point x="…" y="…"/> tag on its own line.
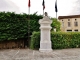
<point x="45" y="38"/>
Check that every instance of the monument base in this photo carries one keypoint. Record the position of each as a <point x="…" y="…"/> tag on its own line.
<point x="45" y="50"/>
<point x="45" y="46"/>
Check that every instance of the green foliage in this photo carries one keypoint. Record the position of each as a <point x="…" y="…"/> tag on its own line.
<point x="55" y="24"/>
<point x="35" y="40"/>
<point x="14" y="26"/>
<point x="60" y="40"/>
<point x="65" y="40"/>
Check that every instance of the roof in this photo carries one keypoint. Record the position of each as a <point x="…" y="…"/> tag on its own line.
<point x="71" y="16"/>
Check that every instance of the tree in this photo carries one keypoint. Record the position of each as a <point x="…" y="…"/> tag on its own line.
<point x="55" y="24"/>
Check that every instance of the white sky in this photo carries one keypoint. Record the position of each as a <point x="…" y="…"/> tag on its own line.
<point x="65" y="7"/>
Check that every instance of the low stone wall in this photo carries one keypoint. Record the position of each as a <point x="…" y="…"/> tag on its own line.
<point x="12" y="44"/>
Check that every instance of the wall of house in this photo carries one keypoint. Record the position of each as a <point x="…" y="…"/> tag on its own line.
<point x="66" y="28"/>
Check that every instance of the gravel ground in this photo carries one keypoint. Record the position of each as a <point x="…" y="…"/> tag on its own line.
<point x="28" y="54"/>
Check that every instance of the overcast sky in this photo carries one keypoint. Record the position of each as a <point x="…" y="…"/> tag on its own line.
<point x="65" y="7"/>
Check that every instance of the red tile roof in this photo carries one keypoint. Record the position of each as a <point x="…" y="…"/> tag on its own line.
<point x="71" y="16"/>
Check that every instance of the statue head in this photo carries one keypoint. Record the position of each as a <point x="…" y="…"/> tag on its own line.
<point x="46" y="14"/>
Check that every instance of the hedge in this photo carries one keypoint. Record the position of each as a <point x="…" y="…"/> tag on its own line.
<point x="60" y="40"/>
<point x="14" y="26"/>
<point x="35" y="40"/>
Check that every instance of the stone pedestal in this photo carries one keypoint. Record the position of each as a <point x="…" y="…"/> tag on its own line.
<point x="45" y="38"/>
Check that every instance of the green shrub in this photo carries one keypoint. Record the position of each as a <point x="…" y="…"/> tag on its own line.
<point x="35" y="40"/>
<point x="14" y="26"/>
<point x="60" y="40"/>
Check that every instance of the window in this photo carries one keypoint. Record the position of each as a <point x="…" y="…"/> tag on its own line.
<point x="75" y="23"/>
<point x="62" y="24"/>
<point x="68" y="19"/>
<point x="76" y="30"/>
<point x="75" y="19"/>
<point x="69" y="24"/>
<point x="69" y="30"/>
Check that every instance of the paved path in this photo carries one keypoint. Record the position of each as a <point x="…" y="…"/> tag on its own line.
<point x="27" y="54"/>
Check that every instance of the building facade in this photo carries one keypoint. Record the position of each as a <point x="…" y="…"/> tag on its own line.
<point x="70" y="23"/>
